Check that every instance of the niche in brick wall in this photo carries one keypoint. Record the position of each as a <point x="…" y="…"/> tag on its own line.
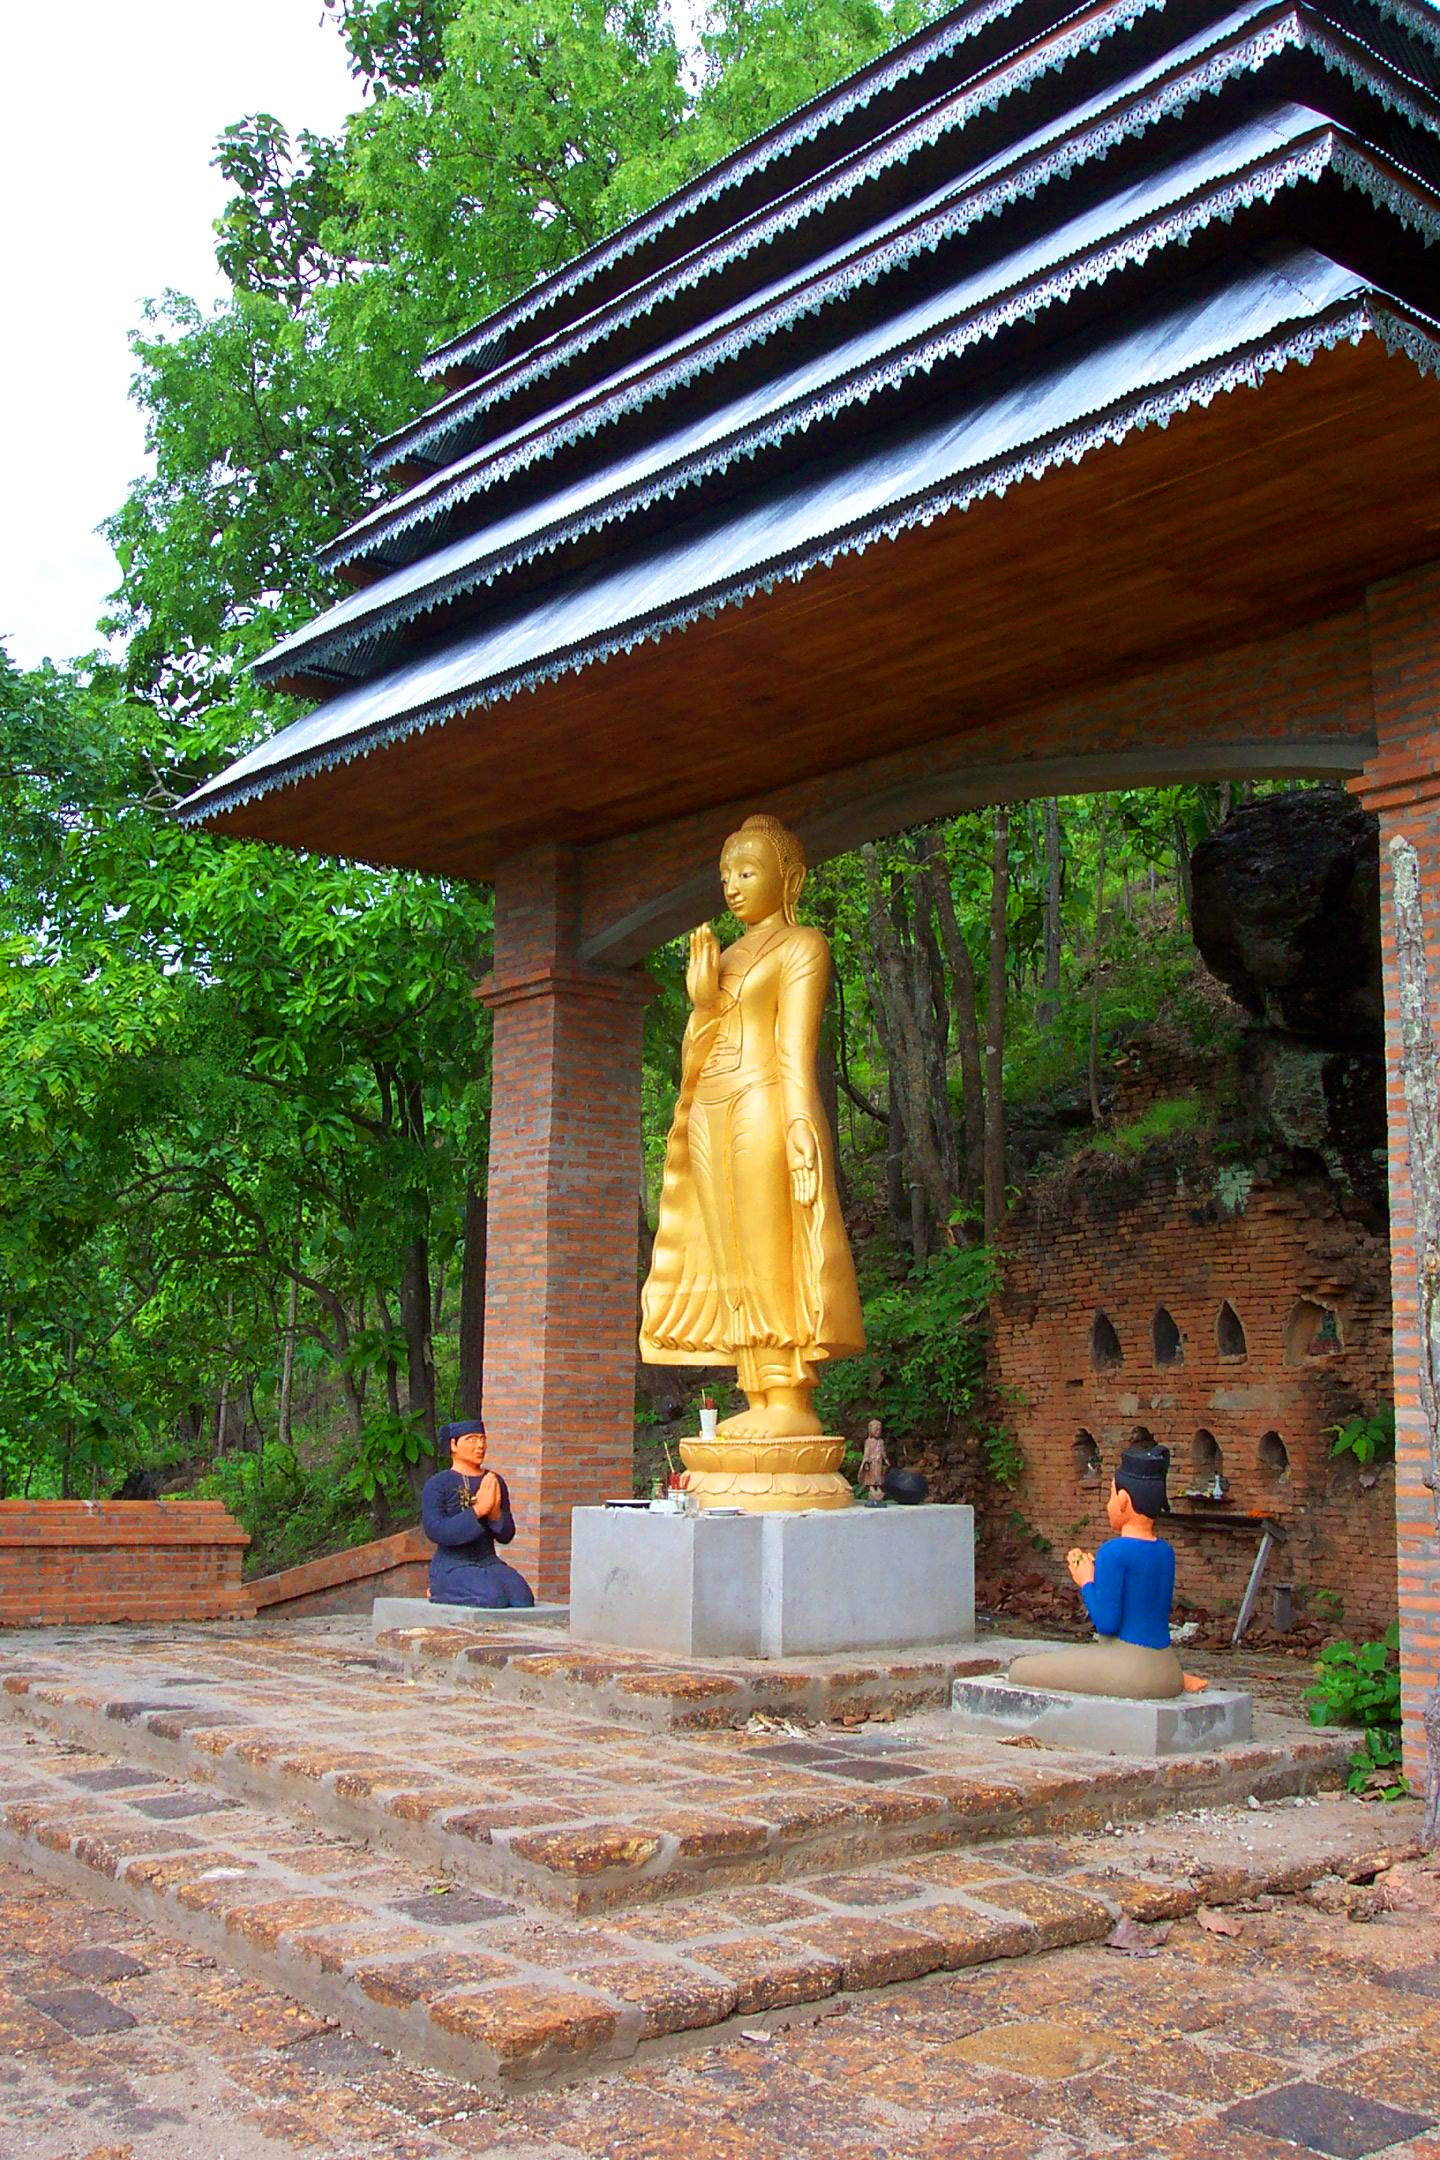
<point x="1230" y="1332"/>
<point x="1105" y="1351"/>
<point x="1165" y="1336"/>
<point x="1085" y="1450"/>
<point x="1312" y="1330"/>
<point x="1207" y="1458"/>
<point x="1274" y="1458"/>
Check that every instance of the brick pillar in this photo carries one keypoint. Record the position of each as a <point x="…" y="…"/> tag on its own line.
<point x="564" y="1186"/>
<point x="1402" y="784"/>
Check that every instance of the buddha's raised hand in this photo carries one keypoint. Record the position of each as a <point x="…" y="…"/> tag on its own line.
<point x="702" y="976"/>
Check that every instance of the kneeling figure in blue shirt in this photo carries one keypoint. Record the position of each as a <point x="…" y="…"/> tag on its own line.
<point x="1128" y="1587"/>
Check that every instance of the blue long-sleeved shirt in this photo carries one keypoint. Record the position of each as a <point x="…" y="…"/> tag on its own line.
<point x="1133" y="1590"/>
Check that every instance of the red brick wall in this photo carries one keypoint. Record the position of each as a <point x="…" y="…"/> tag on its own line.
<point x="1170" y="1244"/>
<point x="348" y="1581"/>
<point x="563" y="1216"/>
<point x="1403" y="785"/>
<point x="68" y="1561"/>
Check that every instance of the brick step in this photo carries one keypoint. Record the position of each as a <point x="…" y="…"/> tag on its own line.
<point x="502" y="1996"/>
<point x="511" y="1662"/>
<point x="563" y="1812"/>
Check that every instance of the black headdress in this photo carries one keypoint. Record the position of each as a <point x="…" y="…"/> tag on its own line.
<point x="1141" y="1472"/>
<point x="451" y="1433"/>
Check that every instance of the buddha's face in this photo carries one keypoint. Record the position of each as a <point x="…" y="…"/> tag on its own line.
<point x="467" y="1452"/>
<point x="750" y="878"/>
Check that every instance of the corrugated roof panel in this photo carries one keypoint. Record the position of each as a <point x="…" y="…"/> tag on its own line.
<point x="1192" y="345"/>
<point x="1229" y="43"/>
<point x="1153" y="211"/>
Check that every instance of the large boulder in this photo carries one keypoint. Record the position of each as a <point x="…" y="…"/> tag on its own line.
<point x="1286" y="912"/>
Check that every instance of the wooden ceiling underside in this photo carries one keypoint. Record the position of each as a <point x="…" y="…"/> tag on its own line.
<point x="1271" y="507"/>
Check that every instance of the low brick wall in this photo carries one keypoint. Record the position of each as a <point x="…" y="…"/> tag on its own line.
<point x="349" y="1581"/>
<point x="70" y="1561"/>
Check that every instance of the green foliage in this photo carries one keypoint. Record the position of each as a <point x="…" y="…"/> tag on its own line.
<point x="292" y="1512"/>
<point x="1365" y="1439"/>
<point x="1165" y="1120"/>
<point x="1359" y="1684"/>
<point x="925" y="1353"/>
<point x="1002" y="1454"/>
<point x="389" y="1444"/>
<point x="229" y="1074"/>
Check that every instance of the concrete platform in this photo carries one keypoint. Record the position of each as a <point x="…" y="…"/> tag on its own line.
<point x="408" y="1612"/>
<point x="773" y="1586"/>
<point x="1104" y="1724"/>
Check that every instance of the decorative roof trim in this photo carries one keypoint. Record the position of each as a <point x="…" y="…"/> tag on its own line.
<point x="1126" y="118"/>
<point x="1401" y="331"/>
<point x="851" y="94"/>
<point x="1002" y="79"/>
<point x="1290" y="29"/>
<point x="1324" y="150"/>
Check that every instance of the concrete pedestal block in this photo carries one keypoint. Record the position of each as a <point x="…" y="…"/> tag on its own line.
<point x="773" y="1586"/>
<point x="1104" y="1724"/>
<point x="404" y="1612"/>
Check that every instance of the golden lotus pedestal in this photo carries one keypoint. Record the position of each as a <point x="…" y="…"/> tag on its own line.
<point x="767" y="1477"/>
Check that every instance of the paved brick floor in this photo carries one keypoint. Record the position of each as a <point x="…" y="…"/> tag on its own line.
<point x="1309" y="2031"/>
<point x="572" y="1810"/>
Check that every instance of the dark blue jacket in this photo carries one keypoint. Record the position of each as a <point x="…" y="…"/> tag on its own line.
<point x="466" y="1544"/>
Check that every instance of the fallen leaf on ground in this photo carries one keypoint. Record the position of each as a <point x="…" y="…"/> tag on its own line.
<point x="1021" y="1739"/>
<point x="1218" y="1923"/>
<point x="758" y="2037"/>
<point x="1136" y="1940"/>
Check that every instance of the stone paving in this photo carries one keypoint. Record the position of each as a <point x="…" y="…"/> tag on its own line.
<point x="1314" y="2028"/>
<point x="257" y="1795"/>
<point x="566" y="1810"/>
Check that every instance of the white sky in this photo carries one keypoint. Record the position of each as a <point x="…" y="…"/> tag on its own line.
<point x="109" y="117"/>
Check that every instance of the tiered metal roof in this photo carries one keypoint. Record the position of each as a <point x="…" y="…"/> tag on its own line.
<point x="1018" y="238"/>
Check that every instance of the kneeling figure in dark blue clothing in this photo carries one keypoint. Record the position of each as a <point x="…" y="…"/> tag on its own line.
<point x="465" y="1511"/>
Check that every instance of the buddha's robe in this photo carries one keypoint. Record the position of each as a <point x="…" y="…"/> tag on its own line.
<point x="743" y="1274"/>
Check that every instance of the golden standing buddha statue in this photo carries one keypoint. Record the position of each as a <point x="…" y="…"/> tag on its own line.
<point x="752" y="1266"/>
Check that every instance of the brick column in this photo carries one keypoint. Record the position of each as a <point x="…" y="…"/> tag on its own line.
<point x="1402" y="784"/>
<point x="564" y="1186"/>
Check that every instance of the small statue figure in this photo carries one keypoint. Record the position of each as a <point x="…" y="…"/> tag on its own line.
<point x="465" y="1511"/>
<point x="1128" y="1587"/>
<point x="752" y="1265"/>
<point x="874" y="1463"/>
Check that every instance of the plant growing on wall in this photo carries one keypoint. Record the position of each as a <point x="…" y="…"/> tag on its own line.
<point x="1366" y="1439"/>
